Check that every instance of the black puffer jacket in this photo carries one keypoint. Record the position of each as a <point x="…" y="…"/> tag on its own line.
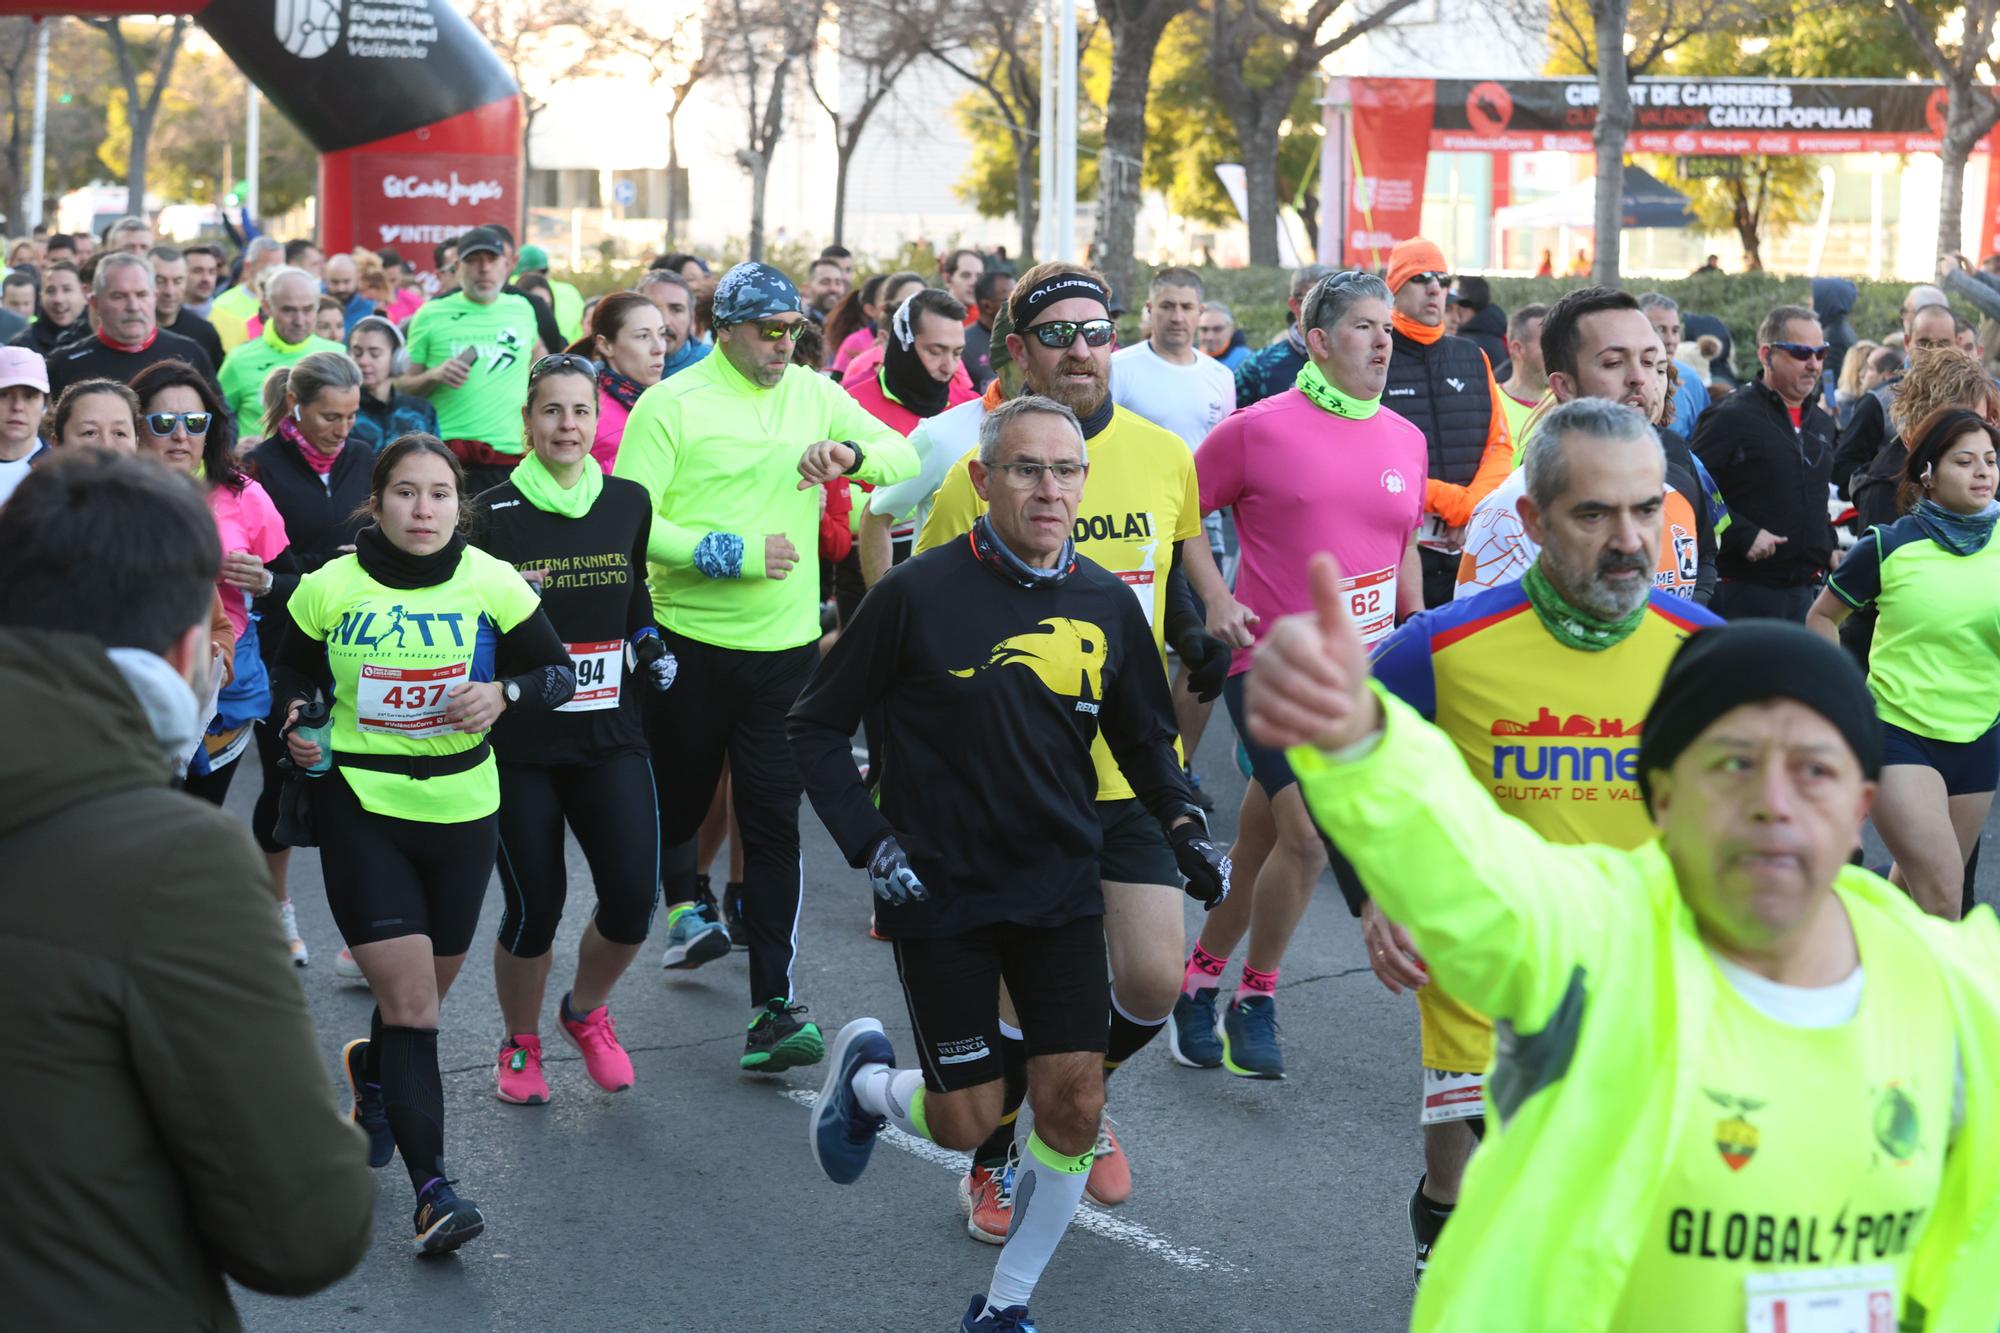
<point x="1774" y="478"/>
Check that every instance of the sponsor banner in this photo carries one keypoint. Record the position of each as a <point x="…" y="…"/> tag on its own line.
<point x="1385" y="199"/>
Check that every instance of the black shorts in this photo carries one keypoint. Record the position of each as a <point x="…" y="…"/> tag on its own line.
<point x="1058" y="979"/>
<point x="1967" y="767"/>
<point x="1267" y="766"/>
<point x="388" y="877"/>
<point x="1135" y="848"/>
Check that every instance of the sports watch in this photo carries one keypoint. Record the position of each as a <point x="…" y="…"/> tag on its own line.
<point x="855" y="466"/>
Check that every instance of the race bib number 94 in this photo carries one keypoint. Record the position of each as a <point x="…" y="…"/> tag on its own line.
<point x="396" y="701"/>
<point x="600" y="670"/>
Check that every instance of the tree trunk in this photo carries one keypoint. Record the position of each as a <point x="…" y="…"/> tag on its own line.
<point x="760" y="171"/>
<point x="1133" y="42"/>
<point x="673" y="175"/>
<point x="1614" y="122"/>
<point x="1959" y="137"/>
<point x="1259" y="142"/>
<point x="135" y="165"/>
<point x="1027" y="170"/>
<point x="843" y="157"/>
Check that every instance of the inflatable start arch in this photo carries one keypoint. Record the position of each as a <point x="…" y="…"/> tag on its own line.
<point x="417" y="122"/>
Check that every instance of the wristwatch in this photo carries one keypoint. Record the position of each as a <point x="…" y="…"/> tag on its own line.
<point x="511" y="692"/>
<point x="855" y="466"/>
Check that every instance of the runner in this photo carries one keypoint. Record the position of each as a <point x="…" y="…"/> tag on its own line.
<point x="127" y="338"/>
<point x="1273" y="369"/>
<point x="729" y="451"/>
<point x="628" y="342"/>
<point x="1140" y="518"/>
<point x="24" y="400"/>
<point x="674" y="299"/>
<point x="1929" y="577"/>
<point x="386" y="413"/>
<point x="989" y="297"/>
<point x="1319" y="467"/>
<point x="1221" y="339"/>
<point x="412" y="642"/>
<point x="1731" y="1089"/>
<point x="237" y="306"/>
<point x="1690" y="398"/>
<point x="97" y="414"/>
<point x="1002" y="661"/>
<point x="291" y="298"/>
<point x="204" y="270"/>
<point x="170" y="309"/>
<point x="581" y="538"/>
<point x="866" y="363"/>
<point x="469" y="354"/>
<point x="1527" y="381"/>
<point x="61" y="315"/>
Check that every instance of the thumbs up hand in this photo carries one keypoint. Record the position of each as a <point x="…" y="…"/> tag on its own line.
<point x="1309" y="682"/>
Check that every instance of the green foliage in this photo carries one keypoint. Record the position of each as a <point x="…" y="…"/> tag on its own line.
<point x="989" y="179"/>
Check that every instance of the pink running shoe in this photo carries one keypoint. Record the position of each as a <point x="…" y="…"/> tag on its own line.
<point x="595" y="1035"/>
<point x="518" y="1071"/>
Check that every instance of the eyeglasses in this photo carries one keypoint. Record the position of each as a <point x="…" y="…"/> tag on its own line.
<point x="772" y="332"/>
<point x="562" y="363"/>
<point x="1803" y="351"/>
<point x="163" y="423"/>
<point x="1441" y="279"/>
<point x="1028" y="476"/>
<point x="1061" y="333"/>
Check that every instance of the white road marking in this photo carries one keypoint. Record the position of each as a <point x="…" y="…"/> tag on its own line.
<point x="1088" y="1217"/>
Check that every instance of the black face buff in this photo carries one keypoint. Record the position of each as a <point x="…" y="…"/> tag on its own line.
<point x="1056" y="287"/>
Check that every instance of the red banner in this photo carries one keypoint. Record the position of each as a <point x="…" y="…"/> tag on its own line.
<point x="410" y="191"/>
<point x="1989" y="221"/>
<point x="1385" y="200"/>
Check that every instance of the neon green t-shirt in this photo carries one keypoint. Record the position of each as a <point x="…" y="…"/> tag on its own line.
<point x="488" y="406"/>
<point x="395" y="654"/>
<point x="245" y="369"/>
<point x="1808" y="1151"/>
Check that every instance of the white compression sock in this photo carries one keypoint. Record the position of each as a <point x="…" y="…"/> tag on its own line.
<point x="1047" y="1189"/>
<point x="895" y="1093"/>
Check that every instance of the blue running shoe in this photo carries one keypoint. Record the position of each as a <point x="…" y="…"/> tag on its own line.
<point x="445" y="1221"/>
<point x="1013" y="1319"/>
<point x="842" y="1133"/>
<point x="694" y="937"/>
<point x="1250" y="1039"/>
<point x="1191" y="1038"/>
<point x="369" y="1113"/>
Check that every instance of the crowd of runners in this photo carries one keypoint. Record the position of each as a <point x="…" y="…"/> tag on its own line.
<point x="459" y="569"/>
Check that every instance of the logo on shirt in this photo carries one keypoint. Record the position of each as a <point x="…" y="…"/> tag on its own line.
<point x="1457" y="386"/>
<point x="1547" y="723"/>
<point x="1067" y="656"/>
<point x="1896" y="1127"/>
<point x="1735" y="1136"/>
<point x="1392" y="481"/>
<point x="362" y="628"/>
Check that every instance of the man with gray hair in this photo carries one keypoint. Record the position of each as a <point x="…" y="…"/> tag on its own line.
<point x="128" y="337"/>
<point x="128" y="235"/>
<point x="1575" y="648"/>
<point x="235" y="308"/>
<point x="1220" y="338"/>
<point x="998" y="661"/>
<point x="1690" y="394"/>
<point x="291" y="299"/>
<point x="1272" y="369"/>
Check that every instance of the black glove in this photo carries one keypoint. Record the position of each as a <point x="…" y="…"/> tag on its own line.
<point x="1207" y="661"/>
<point x="1205" y="866"/>
<point x="653" y="657"/>
<point x="889" y="874"/>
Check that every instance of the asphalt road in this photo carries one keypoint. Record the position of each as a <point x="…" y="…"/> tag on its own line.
<point x="691" y="1202"/>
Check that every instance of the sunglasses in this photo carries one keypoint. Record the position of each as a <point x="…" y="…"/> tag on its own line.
<point x="163" y="423"/>
<point x="1061" y="333"/>
<point x="1441" y="279"/>
<point x="772" y="332"/>
<point x="564" y="363"/>
<point x="1803" y="351"/>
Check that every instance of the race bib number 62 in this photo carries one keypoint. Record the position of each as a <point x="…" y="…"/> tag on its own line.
<point x="400" y="701"/>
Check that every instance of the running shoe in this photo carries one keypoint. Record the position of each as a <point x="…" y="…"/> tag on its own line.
<point x="445" y="1221"/>
<point x="694" y="937"/>
<point x="873" y="932"/>
<point x="986" y="1197"/>
<point x="1425" y="1226"/>
<point x="1110" y="1182"/>
<point x="1191" y="1038"/>
<point x="781" y="1038"/>
<point x="1013" y="1319"/>
<point x="1201" y="798"/>
<point x="842" y="1132"/>
<point x="732" y="915"/>
<point x="609" y="1067"/>
<point x="288" y="916"/>
<point x="346" y="969"/>
<point x="517" y="1072"/>
<point x="368" y="1112"/>
<point x="1250" y="1039"/>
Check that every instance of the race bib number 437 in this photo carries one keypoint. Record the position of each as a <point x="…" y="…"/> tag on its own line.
<point x="399" y="701"/>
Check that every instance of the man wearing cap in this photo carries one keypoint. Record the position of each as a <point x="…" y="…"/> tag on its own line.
<point x="291" y="298"/>
<point x="1273" y="369"/>
<point x="470" y="353"/>
<point x="24" y="397"/>
<point x="1444" y="386"/>
<point x="732" y="451"/>
<point x="128" y="336"/>
<point x="1742" y="1083"/>
<point x="566" y="299"/>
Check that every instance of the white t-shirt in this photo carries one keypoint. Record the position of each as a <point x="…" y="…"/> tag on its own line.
<point x="14" y="473"/>
<point x="1497" y="544"/>
<point x="1188" y="400"/>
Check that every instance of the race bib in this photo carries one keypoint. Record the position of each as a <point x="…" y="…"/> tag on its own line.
<point x="395" y="701"/>
<point x="1450" y="1097"/>
<point x="1822" y="1300"/>
<point x="1440" y="535"/>
<point x="1371" y="603"/>
<point x="600" y="669"/>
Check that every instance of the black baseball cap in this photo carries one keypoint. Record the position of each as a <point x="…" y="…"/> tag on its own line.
<point x="482" y="240"/>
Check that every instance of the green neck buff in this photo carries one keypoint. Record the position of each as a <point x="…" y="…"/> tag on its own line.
<point x="1328" y="398"/>
<point x="538" y="486"/>
<point x="1570" y="627"/>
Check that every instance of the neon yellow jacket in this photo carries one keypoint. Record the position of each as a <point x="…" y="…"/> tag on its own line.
<point x="1589" y="960"/>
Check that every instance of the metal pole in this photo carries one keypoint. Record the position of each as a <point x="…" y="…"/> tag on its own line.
<point x="251" y="155"/>
<point x="37" y="161"/>
<point x="1066" y="138"/>
<point x="1045" y="143"/>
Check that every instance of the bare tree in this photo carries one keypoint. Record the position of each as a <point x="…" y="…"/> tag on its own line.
<point x="679" y="52"/>
<point x="1971" y="108"/>
<point x="543" y="43"/>
<point x="1135" y="27"/>
<point x="17" y="47"/>
<point x="990" y="50"/>
<point x="763" y="44"/>
<point x="877" y="41"/>
<point x="1258" y="101"/>
<point x="140" y="110"/>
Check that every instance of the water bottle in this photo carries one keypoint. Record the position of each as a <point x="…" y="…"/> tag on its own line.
<point x="315" y="723"/>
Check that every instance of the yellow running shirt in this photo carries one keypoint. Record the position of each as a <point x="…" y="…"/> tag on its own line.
<point x="1139" y="500"/>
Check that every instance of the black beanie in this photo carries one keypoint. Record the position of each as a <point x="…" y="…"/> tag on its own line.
<point x="1750" y="662"/>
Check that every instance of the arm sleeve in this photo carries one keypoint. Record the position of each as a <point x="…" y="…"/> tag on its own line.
<point x="855" y="673"/>
<point x="1218" y="466"/>
<point x="1711" y="494"/>
<point x="957" y="504"/>
<point x="1184" y="611"/>
<point x="1970" y="289"/>
<point x="249" y="1122"/>
<point x="1503" y="918"/>
<point x="649" y="455"/>
<point x="1858" y="581"/>
<point x="1454" y="504"/>
<point x="534" y="657"/>
<point x="1138" y="721"/>
<point x="1497" y="549"/>
<point x="897" y="500"/>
